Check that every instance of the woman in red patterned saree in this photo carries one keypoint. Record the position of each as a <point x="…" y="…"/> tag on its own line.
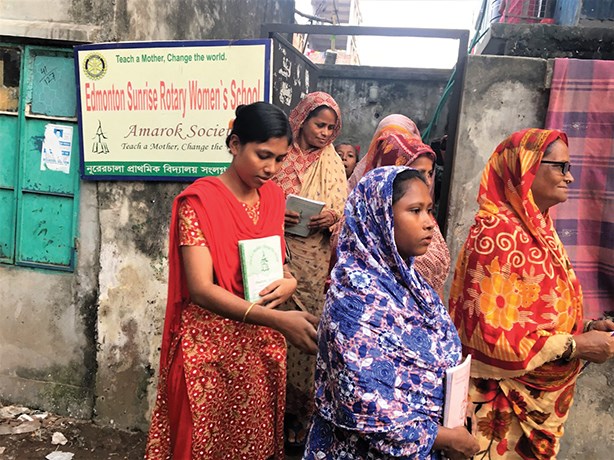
<point x="517" y="303"/>
<point x="221" y="392"/>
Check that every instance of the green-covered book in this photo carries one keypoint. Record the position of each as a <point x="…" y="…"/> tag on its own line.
<point x="261" y="264"/>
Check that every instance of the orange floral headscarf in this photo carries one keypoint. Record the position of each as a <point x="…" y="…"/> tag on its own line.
<point x="397" y="149"/>
<point x="515" y="298"/>
<point x="392" y="124"/>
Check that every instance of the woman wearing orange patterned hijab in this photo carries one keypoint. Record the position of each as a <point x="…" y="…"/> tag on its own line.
<point x="517" y="303"/>
<point x="391" y="124"/>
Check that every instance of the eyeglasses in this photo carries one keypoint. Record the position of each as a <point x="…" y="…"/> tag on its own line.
<point x="564" y="165"/>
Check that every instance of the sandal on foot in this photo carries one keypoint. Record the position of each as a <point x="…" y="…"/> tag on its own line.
<point x="295" y="434"/>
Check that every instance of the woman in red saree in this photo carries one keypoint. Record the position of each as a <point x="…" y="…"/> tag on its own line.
<point x="221" y="392"/>
<point x="312" y="170"/>
<point x="517" y="303"/>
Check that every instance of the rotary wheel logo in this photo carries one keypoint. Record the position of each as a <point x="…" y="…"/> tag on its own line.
<point x="95" y="66"/>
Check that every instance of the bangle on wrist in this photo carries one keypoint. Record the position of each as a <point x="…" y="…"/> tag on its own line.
<point x="573" y="346"/>
<point x="248" y="310"/>
<point x="588" y="326"/>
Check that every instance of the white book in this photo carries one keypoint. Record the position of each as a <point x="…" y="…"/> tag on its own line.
<point x="306" y="209"/>
<point x="457" y="392"/>
<point x="261" y="264"/>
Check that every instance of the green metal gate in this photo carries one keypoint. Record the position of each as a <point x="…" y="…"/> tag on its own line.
<point x="38" y="206"/>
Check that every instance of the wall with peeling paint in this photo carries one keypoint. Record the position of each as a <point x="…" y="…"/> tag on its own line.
<point x="47" y="327"/>
<point x="127" y="20"/>
<point x="134" y="220"/>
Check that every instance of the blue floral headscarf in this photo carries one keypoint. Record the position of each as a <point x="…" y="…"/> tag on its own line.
<point x="385" y="338"/>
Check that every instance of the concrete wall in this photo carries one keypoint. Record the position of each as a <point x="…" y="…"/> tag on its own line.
<point x="48" y="327"/>
<point x="49" y="20"/>
<point x="502" y="95"/>
<point x="87" y="343"/>
<point x="134" y="220"/>
<point x="125" y="20"/>
<point x="411" y="92"/>
<point x="35" y="10"/>
<point x="549" y="41"/>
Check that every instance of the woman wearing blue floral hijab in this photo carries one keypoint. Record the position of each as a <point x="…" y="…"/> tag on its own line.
<point x="385" y="338"/>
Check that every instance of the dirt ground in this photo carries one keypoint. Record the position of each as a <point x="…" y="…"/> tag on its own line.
<point x="29" y="435"/>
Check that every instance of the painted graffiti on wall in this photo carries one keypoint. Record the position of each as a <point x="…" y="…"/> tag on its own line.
<point x="293" y="76"/>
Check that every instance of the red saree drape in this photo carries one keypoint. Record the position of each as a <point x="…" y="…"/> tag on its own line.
<point x="516" y="303"/>
<point x="232" y="373"/>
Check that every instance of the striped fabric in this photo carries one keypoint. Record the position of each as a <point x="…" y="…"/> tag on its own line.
<point x="582" y="105"/>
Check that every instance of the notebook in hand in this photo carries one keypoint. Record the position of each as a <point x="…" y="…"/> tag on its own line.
<point x="305" y="208"/>
<point x="457" y="390"/>
<point x="261" y="264"/>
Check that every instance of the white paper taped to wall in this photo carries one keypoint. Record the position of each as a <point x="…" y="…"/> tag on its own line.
<point x="57" y="148"/>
